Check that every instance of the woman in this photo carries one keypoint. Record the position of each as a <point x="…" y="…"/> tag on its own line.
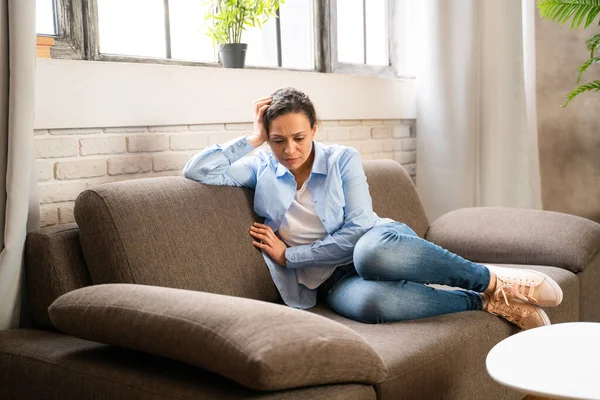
<point x="321" y="237"/>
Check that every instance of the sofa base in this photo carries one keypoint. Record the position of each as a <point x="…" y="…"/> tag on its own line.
<point x="38" y="365"/>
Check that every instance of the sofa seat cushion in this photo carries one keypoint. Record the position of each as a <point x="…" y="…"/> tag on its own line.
<point x="260" y="345"/>
<point x="61" y="367"/>
<point x="444" y="356"/>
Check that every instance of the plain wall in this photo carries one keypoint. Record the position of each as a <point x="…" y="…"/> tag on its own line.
<point x="569" y="138"/>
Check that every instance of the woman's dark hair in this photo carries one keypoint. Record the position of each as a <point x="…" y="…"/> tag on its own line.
<point x="289" y="100"/>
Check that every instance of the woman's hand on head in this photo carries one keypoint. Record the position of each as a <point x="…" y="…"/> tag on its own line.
<point x="260" y="131"/>
<point x="265" y="239"/>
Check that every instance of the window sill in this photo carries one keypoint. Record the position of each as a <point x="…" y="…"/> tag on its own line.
<point x="187" y="63"/>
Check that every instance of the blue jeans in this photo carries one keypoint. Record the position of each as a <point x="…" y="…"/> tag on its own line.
<point x="387" y="281"/>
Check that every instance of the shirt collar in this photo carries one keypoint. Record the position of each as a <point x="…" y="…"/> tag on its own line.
<point x="319" y="163"/>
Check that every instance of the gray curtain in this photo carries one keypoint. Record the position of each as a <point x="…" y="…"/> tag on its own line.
<point x="18" y="198"/>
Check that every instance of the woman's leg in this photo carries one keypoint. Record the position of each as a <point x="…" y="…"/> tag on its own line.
<point x="394" y="264"/>
<point x="394" y="252"/>
<point x="390" y="301"/>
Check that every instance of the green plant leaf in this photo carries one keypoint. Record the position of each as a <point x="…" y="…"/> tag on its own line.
<point x="591" y="86"/>
<point x="227" y="19"/>
<point x="581" y="11"/>
<point x="585" y="65"/>
<point x="593" y="43"/>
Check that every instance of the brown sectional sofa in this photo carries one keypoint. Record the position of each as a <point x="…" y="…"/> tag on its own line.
<point x="202" y="321"/>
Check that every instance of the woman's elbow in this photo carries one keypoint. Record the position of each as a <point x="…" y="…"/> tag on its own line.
<point x="196" y="173"/>
<point x="187" y="173"/>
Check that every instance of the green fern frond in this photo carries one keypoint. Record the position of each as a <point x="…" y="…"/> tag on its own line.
<point x="593" y="43"/>
<point x="591" y="86"/>
<point x="585" y="65"/>
<point x="582" y="11"/>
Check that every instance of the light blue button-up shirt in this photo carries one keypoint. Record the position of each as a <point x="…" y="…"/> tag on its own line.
<point x="339" y="189"/>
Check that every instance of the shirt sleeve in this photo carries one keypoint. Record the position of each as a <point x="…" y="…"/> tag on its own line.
<point x="224" y="165"/>
<point x="338" y="248"/>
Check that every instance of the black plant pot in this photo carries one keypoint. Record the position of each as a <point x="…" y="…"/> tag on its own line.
<point x="233" y="55"/>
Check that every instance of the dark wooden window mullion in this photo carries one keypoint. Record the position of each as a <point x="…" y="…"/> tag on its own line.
<point x="55" y="18"/>
<point x="329" y="28"/>
<point x="322" y="40"/>
<point x="90" y="29"/>
<point x="278" y="33"/>
<point x="167" y="29"/>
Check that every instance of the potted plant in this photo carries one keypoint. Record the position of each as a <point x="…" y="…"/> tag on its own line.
<point x="583" y="12"/>
<point x="228" y="19"/>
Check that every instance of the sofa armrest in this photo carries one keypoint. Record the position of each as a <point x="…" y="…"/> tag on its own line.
<point x="516" y="236"/>
<point x="260" y="345"/>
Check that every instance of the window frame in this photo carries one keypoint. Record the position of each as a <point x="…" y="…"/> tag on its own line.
<point x="69" y="38"/>
<point x="78" y="39"/>
<point x="388" y="70"/>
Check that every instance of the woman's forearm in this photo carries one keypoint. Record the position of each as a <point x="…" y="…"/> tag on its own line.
<point x="256" y="141"/>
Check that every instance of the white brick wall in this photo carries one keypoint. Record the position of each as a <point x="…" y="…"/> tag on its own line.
<point x="71" y="160"/>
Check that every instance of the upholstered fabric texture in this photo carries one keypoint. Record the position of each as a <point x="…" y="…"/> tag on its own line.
<point x="37" y="365"/>
<point x="177" y="233"/>
<point x="394" y="194"/>
<point x="54" y="266"/>
<point x="257" y="344"/>
<point x="589" y="294"/>
<point x="445" y="355"/>
<point x="442" y="357"/>
<point x="516" y="236"/>
<point x="173" y="232"/>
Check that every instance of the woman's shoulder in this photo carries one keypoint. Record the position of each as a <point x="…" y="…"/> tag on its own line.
<point x="339" y="151"/>
<point x="338" y="155"/>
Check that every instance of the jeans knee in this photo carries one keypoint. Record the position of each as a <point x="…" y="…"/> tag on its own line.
<point x="367" y="309"/>
<point x="373" y="252"/>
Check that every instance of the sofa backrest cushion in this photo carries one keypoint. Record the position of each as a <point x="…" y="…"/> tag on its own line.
<point x="173" y="232"/>
<point x="178" y="233"/>
<point x="394" y="194"/>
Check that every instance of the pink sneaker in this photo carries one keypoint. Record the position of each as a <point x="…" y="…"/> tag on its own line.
<point x="524" y="315"/>
<point x="525" y="285"/>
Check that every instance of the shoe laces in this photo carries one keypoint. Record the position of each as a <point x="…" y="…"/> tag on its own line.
<point x="509" y="312"/>
<point x="517" y="288"/>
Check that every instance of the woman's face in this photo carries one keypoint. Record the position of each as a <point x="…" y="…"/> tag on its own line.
<point x="290" y="139"/>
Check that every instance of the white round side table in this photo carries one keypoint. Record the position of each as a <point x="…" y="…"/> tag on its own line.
<point x="559" y="361"/>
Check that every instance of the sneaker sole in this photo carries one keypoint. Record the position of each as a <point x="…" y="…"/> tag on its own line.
<point x="545" y="317"/>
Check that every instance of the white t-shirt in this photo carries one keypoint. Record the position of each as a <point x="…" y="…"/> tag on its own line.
<point x="301" y="225"/>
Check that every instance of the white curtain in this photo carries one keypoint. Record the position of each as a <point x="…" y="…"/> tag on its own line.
<point x="476" y="122"/>
<point x="18" y="201"/>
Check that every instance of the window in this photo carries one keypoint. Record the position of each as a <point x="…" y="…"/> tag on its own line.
<point x="178" y="34"/>
<point x="360" y="35"/>
<point x="122" y="31"/>
<point x="322" y="35"/>
<point x="46" y="17"/>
